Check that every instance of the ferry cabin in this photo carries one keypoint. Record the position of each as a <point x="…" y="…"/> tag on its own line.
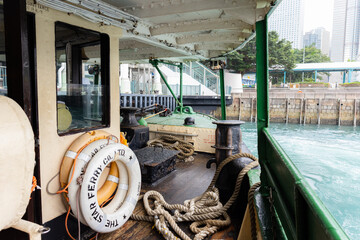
<point x="60" y="52"/>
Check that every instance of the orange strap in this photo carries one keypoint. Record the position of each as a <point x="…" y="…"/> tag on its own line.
<point x="34" y="184"/>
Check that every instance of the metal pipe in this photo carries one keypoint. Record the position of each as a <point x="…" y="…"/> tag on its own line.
<point x="181" y="86"/>
<point x="262" y="78"/>
<point x="222" y="94"/>
<point x="166" y="83"/>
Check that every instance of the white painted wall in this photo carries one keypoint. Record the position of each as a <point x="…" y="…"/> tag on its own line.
<point x="234" y="80"/>
<point x="124" y="79"/>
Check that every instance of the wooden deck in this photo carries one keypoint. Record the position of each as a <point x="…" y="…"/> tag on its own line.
<point x="187" y="181"/>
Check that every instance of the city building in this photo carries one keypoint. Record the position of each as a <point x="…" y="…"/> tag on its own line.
<point x="318" y="37"/>
<point x="346" y="34"/>
<point x="346" y="31"/>
<point x="288" y="21"/>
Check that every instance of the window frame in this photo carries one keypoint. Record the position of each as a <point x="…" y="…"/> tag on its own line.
<point x="105" y="80"/>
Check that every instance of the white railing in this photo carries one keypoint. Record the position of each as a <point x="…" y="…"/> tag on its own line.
<point x="200" y="73"/>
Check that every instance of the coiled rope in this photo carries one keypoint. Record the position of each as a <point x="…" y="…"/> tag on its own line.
<point x="206" y="212"/>
<point x="185" y="148"/>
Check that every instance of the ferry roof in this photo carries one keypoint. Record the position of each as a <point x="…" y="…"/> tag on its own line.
<point x="173" y="29"/>
<point x="323" y="67"/>
<point x="330" y="66"/>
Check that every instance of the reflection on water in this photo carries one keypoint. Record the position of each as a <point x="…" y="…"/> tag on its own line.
<point x="329" y="158"/>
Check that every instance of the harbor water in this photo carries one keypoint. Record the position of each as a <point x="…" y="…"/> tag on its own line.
<point x="329" y="158"/>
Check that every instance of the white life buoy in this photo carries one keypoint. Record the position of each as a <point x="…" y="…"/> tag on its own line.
<point x="84" y="157"/>
<point x="105" y="220"/>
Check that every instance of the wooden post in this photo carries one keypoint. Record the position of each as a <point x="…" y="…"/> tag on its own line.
<point x="287" y="110"/>
<point x="355" y="112"/>
<point x="319" y="111"/>
<point x="251" y="109"/>
<point x="304" y="111"/>
<point x="339" y="117"/>
<point x="270" y="100"/>
<point x="239" y="109"/>
<point x="301" y="109"/>
<point x="255" y="106"/>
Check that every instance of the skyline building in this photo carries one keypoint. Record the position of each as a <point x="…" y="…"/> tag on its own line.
<point x="320" y="38"/>
<point x="346" y="31"/>
<point x="288" y="21"/>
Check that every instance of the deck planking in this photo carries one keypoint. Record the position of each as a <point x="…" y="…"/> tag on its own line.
<point x="189" y="180"/>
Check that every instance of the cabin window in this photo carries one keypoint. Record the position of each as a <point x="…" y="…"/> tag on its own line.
<point x="3" y="78"/>
<point x="82" y="84"/>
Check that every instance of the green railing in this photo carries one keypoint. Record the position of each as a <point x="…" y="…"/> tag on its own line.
<point x="300" y="213"/>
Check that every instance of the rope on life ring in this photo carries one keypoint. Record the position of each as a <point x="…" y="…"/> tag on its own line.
<point x="73" y="153"/>
<point x="77" y="170"/>
<point x="124" y="180"/>
<point x="118" y="211"/>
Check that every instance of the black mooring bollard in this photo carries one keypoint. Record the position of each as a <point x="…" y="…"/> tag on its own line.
<point x="228" y="139"/>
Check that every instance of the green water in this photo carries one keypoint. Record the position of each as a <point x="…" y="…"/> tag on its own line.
<point x="329" y="158"/>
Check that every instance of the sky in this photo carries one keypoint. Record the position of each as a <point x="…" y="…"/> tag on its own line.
<point x="318" y="13"/>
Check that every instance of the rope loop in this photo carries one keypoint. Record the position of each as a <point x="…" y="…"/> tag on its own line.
<point x="206" y="212"/>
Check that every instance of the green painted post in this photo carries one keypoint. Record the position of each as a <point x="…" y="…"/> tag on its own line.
<point x="166" y="83"/>
<point x="315" y="76"/>
<point x="222" y="94"/>
<point x="181" y="86"/>
<point x="344" y="77"/>
<point x="262" y="76"/>
<point x="284" y="78"/>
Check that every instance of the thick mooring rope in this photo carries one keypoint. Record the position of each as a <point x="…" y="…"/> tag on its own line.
<point x="252" y="210"/>
<point x="206" y="212"/>
<point x="185" y="148"/>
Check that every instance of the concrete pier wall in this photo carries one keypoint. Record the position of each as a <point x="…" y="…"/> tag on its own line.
<point x="337" y="107"/>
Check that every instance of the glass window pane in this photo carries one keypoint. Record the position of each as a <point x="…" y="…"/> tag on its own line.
<point x="80" y="89"/>
<point x="3" y="78"/>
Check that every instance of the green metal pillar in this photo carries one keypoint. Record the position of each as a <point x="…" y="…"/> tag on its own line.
<point x="344" y="77"/>
<point x="181" y="86"/>
<point x="155" y="64"/>
<point x="315" y="76"/>
<point x="222" y="94"/>
<point x="262" y="76"/>
<point x="284" y="78"/>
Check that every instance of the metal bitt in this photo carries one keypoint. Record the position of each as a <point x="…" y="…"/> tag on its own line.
<point x="228" y="139"/>
<point x="181" y="86"/>
<point x="136" y="134"/>
<point x="129" y="119"/>
<point x="228" y="142"/>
